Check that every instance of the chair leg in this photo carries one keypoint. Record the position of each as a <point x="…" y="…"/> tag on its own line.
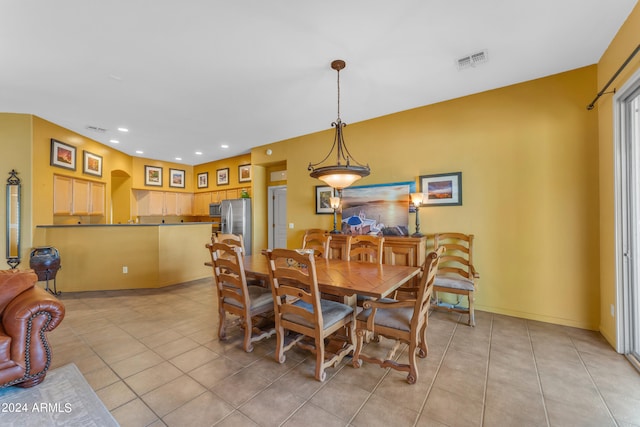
<point x="423" y="348"/>
<point x="222" y="327"/>
<point x="360" y="334"/>
<point x="413" y="370"/>
<point x="321" y="375"/>
<point x="472" y="317"/>
<point x="248" y="332"/>
<point x="279" y="353"/>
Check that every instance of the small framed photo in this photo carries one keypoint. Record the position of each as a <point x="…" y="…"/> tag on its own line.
<point x="203" y="180"/>
<point x="222" y="176"/>
<point x="91" y="163"/>
<point x="323" y="202"/>
<point x="244" y="173"/>
<point x="63" y="155"/>
<point x="176" y="178"/>
<point x="443" y="189"/>
<point x="153" y="176"/>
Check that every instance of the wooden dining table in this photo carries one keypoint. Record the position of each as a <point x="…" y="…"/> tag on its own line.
<point x="346" y="278"/>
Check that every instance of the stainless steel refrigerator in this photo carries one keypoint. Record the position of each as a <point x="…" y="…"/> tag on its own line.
<point x="236" y="219"/>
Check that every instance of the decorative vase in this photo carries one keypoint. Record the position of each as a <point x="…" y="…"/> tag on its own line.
<point x="45" y="261"/>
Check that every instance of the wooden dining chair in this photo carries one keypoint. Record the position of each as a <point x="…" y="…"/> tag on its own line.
<point x="299" y="308"/>
<point x="365" y="248"/>
<point x="319" y="242"/>
<point x="405" y="321"/>
<point x="229" y="239"/>
<point x="457" y="274"/>
<point x="235" y="296"/>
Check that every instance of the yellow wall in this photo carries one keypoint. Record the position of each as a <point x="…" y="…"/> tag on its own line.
<point x="529" y="157"/>
<point x="15" y="142"/>
<point x="620" y="48"/>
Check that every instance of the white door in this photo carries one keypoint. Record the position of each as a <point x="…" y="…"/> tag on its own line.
<point x="277" y="217"/>
<point x="628" y="208"/>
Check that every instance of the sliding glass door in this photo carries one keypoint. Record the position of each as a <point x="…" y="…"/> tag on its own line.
<point x="628" y="206"/>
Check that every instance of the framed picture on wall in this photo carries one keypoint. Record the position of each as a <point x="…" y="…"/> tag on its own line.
<point x="176" y="178"/>
<point x="323" y="204"/>
<point x="222" y="176"/>
<point x="244" y="173"/>
<point x="63" y="155"/>
<point x="203" y="180"/>
<point x="153" y="176"/>
<point x="444" y="189"/>
<point x="91" y="163"/>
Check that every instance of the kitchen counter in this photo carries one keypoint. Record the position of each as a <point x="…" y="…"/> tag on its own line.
<point x="127" y="256"/>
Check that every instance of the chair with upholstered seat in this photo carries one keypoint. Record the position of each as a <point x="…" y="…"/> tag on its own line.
<point x="235" y="296"/>
<point x="319" y="242"/>
<point x="405" y="321"/>
<point x="457" y="274"/>
<point x="299" y="308"/>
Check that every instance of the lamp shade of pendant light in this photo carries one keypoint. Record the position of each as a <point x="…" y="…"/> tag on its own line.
<point x="346" y="170"/>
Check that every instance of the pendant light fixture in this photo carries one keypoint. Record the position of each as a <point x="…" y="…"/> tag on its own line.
<point x="346" y="170"/>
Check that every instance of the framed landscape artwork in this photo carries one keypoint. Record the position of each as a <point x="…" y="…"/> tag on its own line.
<point x="91" y="163"/>
<point x="443" y="189"/>
<point x="244" y="173"/>
<point x="222" y="176"/>
<point x="153" y="176"/>
<point x="203" y="180"/>
<point x="176" y="178"/>
<point x="63" y="155"/>
<point x="381" y="209"/>
<point x="323" y="204"/>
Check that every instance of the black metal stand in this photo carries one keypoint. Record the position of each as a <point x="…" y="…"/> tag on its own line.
<point x="47" y="274"/>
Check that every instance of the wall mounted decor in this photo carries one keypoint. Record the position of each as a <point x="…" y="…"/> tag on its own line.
<point x="91" y="164"/>
<point x="13" y="219"/>
<point x="153" y="176"/>
<point x="176" y="178"/>
<point x="222" y="176"/>
<point x="324" y="193"/>
<point x="444" y="189"/>
<point x="381" y="209"/>
<point x="63" y="155"/>
<point x="203" y="180"/>
<point x="244" y="173"/>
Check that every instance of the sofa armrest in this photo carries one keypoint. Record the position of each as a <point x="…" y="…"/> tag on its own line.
<point x="26" y="305"/>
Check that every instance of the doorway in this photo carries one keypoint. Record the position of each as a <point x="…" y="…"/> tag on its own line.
<point x="627" y="140"/>
<point x="277" y="216"/>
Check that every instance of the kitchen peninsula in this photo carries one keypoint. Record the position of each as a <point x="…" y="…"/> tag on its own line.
<point x="96" y="257"/>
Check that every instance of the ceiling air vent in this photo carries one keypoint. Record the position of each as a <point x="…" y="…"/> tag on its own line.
<point x="96" y="129"/>
<point x="472" y="60"/>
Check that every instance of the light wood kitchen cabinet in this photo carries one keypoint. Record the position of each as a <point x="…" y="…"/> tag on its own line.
<point x="201" y="203"/>
<point x="163" y="203"/>
<point x="77" y="196"/>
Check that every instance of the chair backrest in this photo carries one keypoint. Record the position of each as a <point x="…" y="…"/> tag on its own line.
<point x="294" y="280"/>
<point x="365" y="248"/>
<point x="319" y="242"/>
<point x="458" y="256"/>
<point x="229" y="239"/>
<point x="425" y="289"/>
<point x="228" y="272"/>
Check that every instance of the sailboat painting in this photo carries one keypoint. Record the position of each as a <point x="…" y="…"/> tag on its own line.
<point x="377" y="209"/>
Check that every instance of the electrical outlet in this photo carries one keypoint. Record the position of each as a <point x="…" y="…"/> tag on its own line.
<point x="613" y="311"/>
<point x="291" y="225"/>
<point x="125" y="269"/>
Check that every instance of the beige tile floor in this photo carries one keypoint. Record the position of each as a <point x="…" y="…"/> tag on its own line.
<point x="154" y="359"/>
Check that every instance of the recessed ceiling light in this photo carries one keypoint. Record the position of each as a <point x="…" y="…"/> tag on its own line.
<point x="178" y="158"/>
<point x="139" y="152"/>
<point x="224" y="146"/>
<point x="123" y="129"/>
<point x="114" y="141"/>
<point x="198" y="153"/>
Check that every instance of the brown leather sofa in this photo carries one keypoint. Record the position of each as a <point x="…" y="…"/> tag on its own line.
<point x="27" y="312"/>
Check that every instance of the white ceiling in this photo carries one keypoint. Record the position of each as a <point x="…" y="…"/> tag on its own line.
<point x="190" y="75"/>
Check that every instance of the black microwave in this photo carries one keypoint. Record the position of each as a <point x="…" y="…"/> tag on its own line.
<point x="215" y="209"/>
